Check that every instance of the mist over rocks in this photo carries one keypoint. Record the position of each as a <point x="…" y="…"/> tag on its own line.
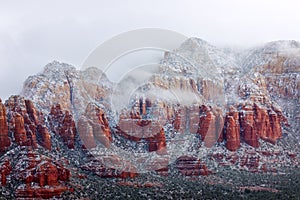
<point x="197" y="75"/>
<point x="205" y="108"/>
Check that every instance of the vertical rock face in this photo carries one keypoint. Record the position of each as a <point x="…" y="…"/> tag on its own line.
<point x="194" y="75"/>
<point x="25" y="123"/>
<point x="93" y="127"/>
<point x="268" y="123"/>
<point x="28" y="128"/>
<point x="100" y="125"/>
<point x="32" y="112"/>
<point x="210" y="125"/>
<point x="45" y="138"/>
<point x="4" y="139"/>
<point x="203" y="120"/>
<point x="136" y="126"/>
<point x="62" y="123"/>
<point x="86" y="134"/>
<point x="207" y="118"/>
<point x="232" y="130"/>
<point x="211" y="90"/>
<point x="157" y="142"/>
<point x="248" y="127"/>
<point x="249" y="121"/>
<point x="19" y="130"/>
<point x="260" y="122"/>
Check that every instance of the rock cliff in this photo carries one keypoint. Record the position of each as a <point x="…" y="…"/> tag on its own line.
<point x="203" y="104"/>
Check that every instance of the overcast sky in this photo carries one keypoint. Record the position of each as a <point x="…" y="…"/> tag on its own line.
<point x="33" y="33"/>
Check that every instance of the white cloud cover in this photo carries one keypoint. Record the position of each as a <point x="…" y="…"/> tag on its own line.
<point x="33" y="33"/>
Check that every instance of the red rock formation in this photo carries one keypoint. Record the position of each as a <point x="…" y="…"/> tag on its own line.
<point x="206" y="118"/>
<point x="252" y="122"/>
<point x="85" y="131"/>
<point x="62" y="123"/>
<point x="47" y="174"/>
<point x="31" y="131"/>
<point x="45" y="138"/>
<point x="5" y="170"/>
<point x="134" y="128"/>
<point x="262" y="123"/>
<point x="247" y="126"/>
<point x="4" y="139"/>
<point x="275" y="126"/>
<point x="136" y="125"/>
<point x="101" y="127"/>
<point x="157" y="142"/>
<point x="210" y="125"/>
<point x="31" y="111"/>
<point x="191" y="166"/>
<point x="232" y="130"/>
<point x="24" y="120"/>
<point x="19" y="130"/>
<point x="259" y="122"/>
<point x="41" y="170"/>
<point x="187" y="114"/>
<point x="93" y="127"/>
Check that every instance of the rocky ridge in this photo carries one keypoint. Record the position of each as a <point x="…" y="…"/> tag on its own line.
<point x="245" y="112"/>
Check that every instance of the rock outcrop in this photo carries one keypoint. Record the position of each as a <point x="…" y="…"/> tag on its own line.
<point x="232" y="130"/>
<point x="259" y="122"/>
<point x="20" y="135"/>
<point x="62" y="123"/>
<point x="210" y="125"/>
<point x="133" y="127"/>
<point x="40" y="176"/>
<point x="44" y="137"/>
<point x="198" y="95"/>
<point x="93" y="127"/>
<point x="4" y="138"/>
<point x="191" y="166"/>
<point x="26" y="123"/>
